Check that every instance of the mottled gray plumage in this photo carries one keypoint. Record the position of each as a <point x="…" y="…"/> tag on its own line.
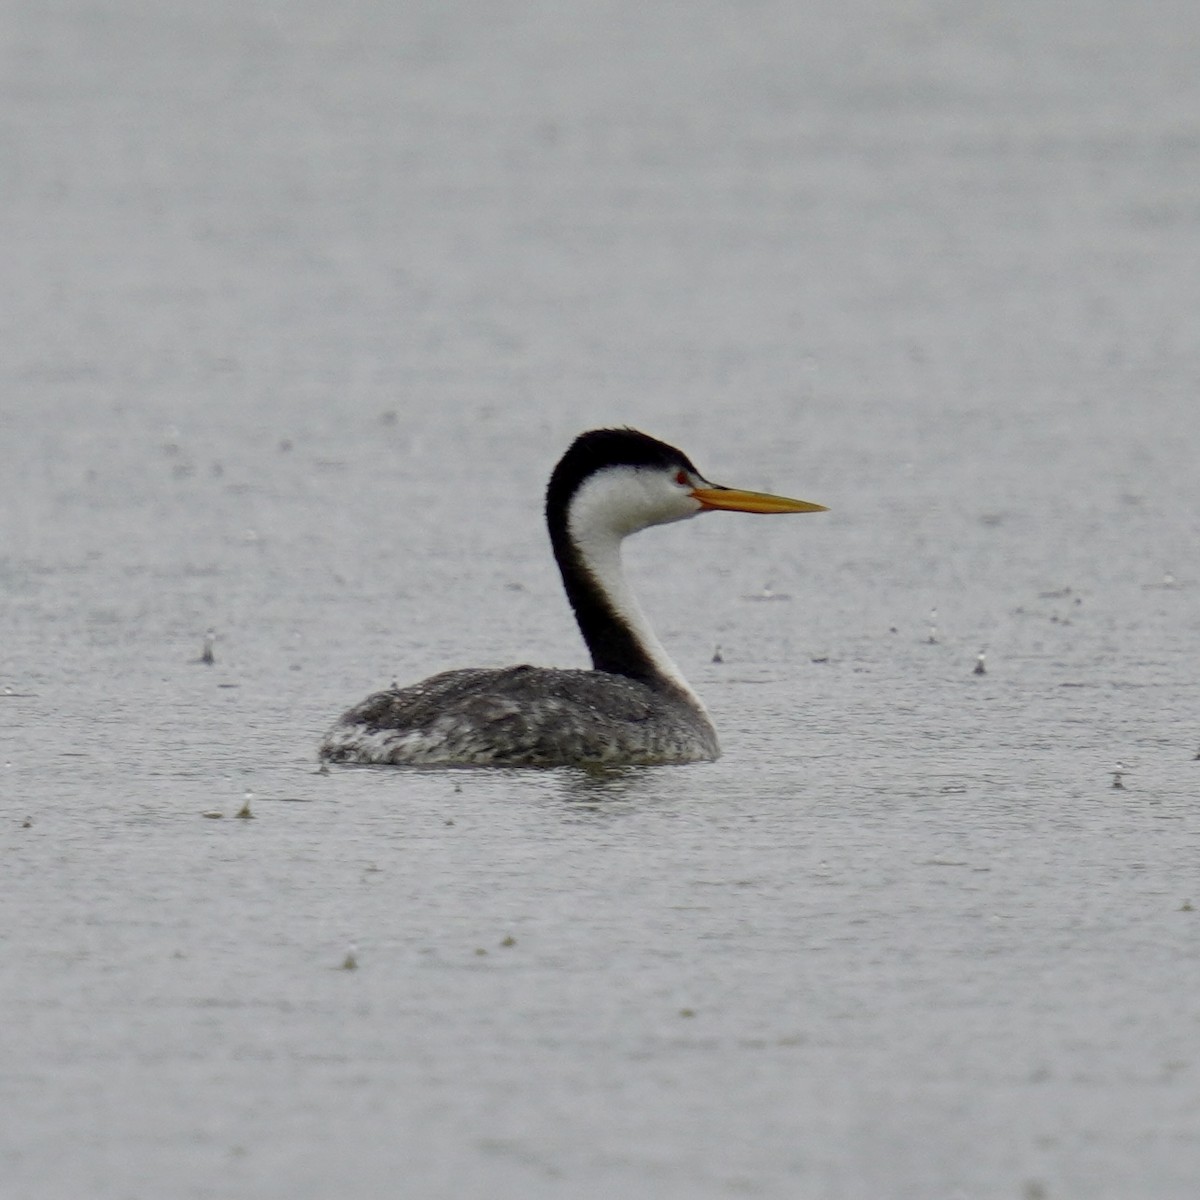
<point x="523" y="717"/>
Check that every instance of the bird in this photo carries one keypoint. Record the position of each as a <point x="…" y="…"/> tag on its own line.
<point x="634" y="707"/>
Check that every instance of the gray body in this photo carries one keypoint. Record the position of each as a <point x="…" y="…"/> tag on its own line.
<point x="524" y="717"/>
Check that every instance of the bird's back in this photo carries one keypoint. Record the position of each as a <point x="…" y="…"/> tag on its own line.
<point x="523" y="716"/>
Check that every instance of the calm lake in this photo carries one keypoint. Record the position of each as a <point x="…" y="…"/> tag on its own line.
<point x="302" y="304"/>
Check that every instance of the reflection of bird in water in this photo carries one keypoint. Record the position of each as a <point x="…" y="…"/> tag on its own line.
<point x="634" y="707"/>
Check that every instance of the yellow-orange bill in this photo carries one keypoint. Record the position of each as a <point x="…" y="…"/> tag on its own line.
<point x="733" y="500"/>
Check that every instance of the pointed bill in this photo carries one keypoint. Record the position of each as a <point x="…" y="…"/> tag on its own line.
<point x="734" y="500"/>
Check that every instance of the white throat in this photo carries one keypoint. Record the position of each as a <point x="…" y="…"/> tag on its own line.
<point x="605" y="510"/>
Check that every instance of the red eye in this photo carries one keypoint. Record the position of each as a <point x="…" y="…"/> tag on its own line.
<point x="681" y="478"/>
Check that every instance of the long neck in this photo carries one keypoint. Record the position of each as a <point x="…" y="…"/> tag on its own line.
<point x="613" y="625"/>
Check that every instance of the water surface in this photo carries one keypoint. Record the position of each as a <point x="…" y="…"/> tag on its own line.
<point x="304" y="302"/>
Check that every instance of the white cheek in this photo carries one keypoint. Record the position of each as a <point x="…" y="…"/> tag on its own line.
<point x="662" y="501"/>
<point x="684" y="505"/>
<point x="622" y="502"/>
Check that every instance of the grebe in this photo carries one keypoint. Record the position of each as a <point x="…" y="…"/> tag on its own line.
<point x="634" y="707"/>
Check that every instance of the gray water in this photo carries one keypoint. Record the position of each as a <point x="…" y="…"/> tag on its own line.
<point x="301" y="304"/>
